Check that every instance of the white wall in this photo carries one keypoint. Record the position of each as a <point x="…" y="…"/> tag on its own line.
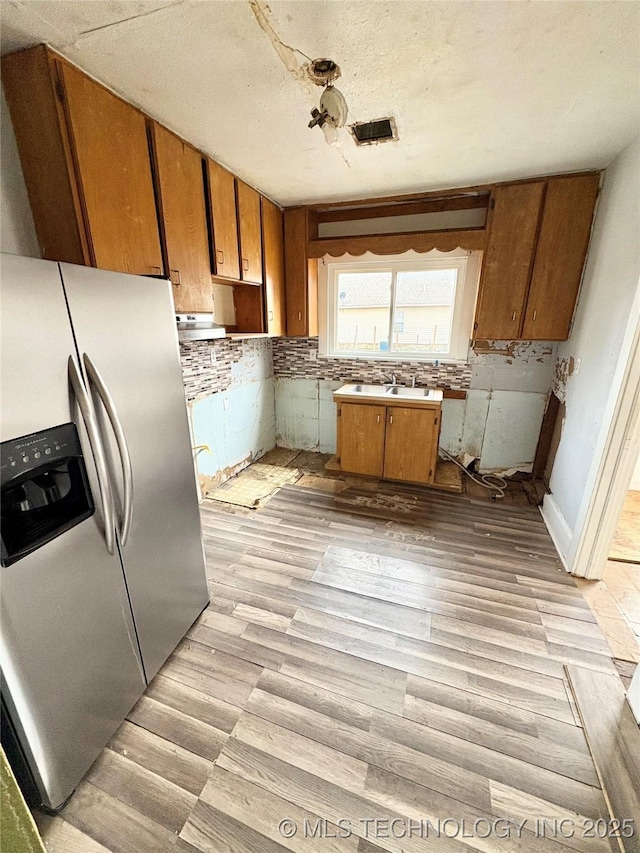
<point x="611" y="283"/>
<point x="635" y="477"/>
<point x="17" y="232"/>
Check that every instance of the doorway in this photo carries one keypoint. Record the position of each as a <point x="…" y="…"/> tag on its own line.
<point x="617" y="462"/>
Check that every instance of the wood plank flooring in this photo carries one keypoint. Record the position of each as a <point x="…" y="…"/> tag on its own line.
<point x="392" y="655"/>
<point x="614" y="739"/>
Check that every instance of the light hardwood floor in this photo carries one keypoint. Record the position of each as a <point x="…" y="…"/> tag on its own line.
<point x="388" y="654"/>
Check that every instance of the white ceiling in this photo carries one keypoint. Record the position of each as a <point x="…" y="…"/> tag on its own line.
<point x="481" y="90"/>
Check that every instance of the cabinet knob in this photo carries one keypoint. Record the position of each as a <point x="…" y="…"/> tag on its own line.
<point x="390" y="419"/>
<point x="271" y="315"/>
<point x="299" y="315"/>
<point x="535" y="314"/>
<point x="378" y="419"/>
<point x="156" y="270"/>
<point x="245" y="264"/>
<point x="175" y="278"/>
<point x="513" y="317"/>
<point x="220" y="256"/>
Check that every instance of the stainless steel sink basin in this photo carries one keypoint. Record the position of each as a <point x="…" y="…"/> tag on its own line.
<point x="415" y="393"/>
<point x="365" y="389"/>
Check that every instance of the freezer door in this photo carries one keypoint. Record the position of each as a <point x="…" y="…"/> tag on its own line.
<point x="35" y="341"/>
<point x="70" y="665"/>
<point x="125" y="325"/>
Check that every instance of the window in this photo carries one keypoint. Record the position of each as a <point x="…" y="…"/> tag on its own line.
<point x="407" y="307"/>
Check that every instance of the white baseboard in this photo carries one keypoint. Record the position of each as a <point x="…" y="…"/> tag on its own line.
<point x="558" y="529"/>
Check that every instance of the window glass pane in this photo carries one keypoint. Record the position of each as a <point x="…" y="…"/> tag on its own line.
<point x="424" y="310"/>
<point x="363" y="303"/>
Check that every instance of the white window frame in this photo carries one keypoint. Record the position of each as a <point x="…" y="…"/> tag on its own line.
<point x="468" y="267"/>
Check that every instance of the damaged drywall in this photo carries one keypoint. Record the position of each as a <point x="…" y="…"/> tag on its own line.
<point x="498" y="423"/>
<point x="463" y="424"/>
<point x="511" y="431"/>
<point x="297" y="413"/>
<point x="512" y="366"/>
<point x="238" y="427"/>
<point x="564" y="369"/>
<point x="231" y="403"/>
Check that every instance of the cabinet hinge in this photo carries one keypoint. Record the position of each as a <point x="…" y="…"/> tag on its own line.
<point x="435" y="423"/>
<point x="492" y="203"/>
<point x="339" y="412"/>
<point x="430" y="471"/>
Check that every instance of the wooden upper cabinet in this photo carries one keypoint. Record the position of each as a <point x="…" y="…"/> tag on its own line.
<point x="250" y="233"/>
<point x="112" y="158"/>
<point x="273" y="250"/>
<point x="224" y="221"/>
<point x="180" y="184"/>
<point x="513" y="229"/>
<point x="560" y="255"/>
<point x="86" y="164"/>
<point x="301" y="275"/>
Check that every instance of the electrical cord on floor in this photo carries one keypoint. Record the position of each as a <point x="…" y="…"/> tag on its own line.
<point x="499" y="484"/>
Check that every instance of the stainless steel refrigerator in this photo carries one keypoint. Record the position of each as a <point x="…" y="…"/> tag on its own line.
<point x="102" y="558"/>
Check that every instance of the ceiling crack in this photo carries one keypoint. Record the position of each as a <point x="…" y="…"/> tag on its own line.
<point x="288" y="57"/>
<point x="132" y="18"/>
<point x="286" y="53"/>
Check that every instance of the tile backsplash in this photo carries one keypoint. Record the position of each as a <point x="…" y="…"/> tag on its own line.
<point x="297" y="358"/>
<point x="212" y="366"/>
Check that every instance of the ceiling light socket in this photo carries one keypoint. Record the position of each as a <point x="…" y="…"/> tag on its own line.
<point x="323" y="72"/>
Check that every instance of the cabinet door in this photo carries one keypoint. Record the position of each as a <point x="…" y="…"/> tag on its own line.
<point x="40" y="127"/>
<point x="250" y="233"/>
<point x="560" y="255"/>
<point x="224" y="221"/>
<point x="411" y="445"/>
<point x="111" y="153"/>
<point x="506" y="270"/>
<point x="182" y="204"/>
<point x="301" y="275"/>
<point x="273" y="248"/>
<point x="361" y="438"/>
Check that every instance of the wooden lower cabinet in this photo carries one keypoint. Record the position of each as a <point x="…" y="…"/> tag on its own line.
<point x="395" y="442"/>
<point x="411" y="444"/>
<point x="361" y="431"/>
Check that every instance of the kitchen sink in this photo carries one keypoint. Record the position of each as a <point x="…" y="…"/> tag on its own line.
<point x="384" y="392"/>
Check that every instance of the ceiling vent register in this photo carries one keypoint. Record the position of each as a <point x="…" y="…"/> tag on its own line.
<point x="372" y="132"/>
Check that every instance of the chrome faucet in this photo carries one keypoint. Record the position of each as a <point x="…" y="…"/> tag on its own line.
<point x="390" y="380"/>
<point x="413" y="381"/>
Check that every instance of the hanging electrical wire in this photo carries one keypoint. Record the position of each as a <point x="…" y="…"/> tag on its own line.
<point x="493" y="482"/>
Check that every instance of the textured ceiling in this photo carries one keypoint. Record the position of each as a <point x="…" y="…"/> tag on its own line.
<point x="481" y="90"/>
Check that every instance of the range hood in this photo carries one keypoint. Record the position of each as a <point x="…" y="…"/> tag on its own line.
<point x="198" y="327"/>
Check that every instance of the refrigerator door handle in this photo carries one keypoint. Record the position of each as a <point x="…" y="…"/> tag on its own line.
<point x="88" y="417"/>
<point x="125" y="457"/>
